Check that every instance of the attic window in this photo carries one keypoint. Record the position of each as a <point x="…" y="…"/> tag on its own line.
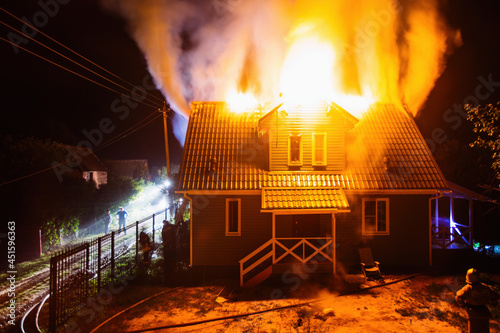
<point x="294" y="150"/>
<point x="319" y="149"/>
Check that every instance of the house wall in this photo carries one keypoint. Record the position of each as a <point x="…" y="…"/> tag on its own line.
<point x="305" y="124"/>
<point x="406" y="245"/>
<point x="211" y="246"/>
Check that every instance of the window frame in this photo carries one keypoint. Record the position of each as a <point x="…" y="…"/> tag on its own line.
<point x="314" y="162"/>
<point x="300" y="162"/>
<point x="387" y="224"/>
<point x="233" y="233"/>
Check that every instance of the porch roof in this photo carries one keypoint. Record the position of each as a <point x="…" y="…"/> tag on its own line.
<point x="304" y="198"/>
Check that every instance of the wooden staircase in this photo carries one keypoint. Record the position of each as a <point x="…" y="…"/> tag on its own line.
<point x="259" y="278"/>
<point x="258" y="265"/>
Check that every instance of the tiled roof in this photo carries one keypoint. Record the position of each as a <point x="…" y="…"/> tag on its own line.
<point x="88" y="160"/>
<point x="223" y="151"/>
<point x="304" y="198"/>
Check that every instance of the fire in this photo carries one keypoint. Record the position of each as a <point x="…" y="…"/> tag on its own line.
<point x="307" y="71"/>
<point x="353" y="53"/>
<point x="309" y="75"/>
<point x="240" y="102"/>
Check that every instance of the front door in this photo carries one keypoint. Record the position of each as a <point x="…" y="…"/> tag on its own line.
<point x="306" y="225"/>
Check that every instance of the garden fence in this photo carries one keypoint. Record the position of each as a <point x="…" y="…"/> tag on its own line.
<point x="79" y="273"/>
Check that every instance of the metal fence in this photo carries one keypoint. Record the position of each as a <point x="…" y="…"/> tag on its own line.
<point x="79" y="273"/>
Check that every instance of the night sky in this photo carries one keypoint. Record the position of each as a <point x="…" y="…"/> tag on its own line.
<point x="45" y="101"/>
<point x="39" y="99"/>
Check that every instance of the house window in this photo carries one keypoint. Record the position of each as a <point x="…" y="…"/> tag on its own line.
<point x="294" y="150"/>
<point x="375" y="216"/>
<point x="319" y="149"/>
<point x="233" y="217"/>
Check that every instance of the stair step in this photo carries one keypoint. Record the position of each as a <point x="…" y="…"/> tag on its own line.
<point x="259" y="278"/>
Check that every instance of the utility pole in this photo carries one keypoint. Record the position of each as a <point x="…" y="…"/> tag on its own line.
<point x="165" y="132"/>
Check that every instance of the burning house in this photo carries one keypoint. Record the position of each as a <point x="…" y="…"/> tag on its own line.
<point x="337" y="162"/>
<point x="311" y="183"/>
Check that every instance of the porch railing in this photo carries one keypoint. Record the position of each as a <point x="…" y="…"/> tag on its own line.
<point x="285" y="250"/>
<point x="457" y="234"/>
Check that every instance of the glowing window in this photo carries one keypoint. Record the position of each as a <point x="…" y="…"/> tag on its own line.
<point x="319" y="149"/>
<point x="375" y="216"/>
<point x="233" y="217"/>
<point x="294" y="150"/>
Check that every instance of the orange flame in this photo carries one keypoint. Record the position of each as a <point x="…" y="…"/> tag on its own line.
<point x="350" y="52"/>
<point x="240" y="102"/>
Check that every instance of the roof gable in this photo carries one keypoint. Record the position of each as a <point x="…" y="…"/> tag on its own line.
<point x="223" y="151"/>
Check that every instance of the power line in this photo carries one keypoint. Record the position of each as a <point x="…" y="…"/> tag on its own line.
<point x="33" y="174"/>
<point x="123" y="135"/>
<point x="108" y="143"/>
<point x="69" y="49"/>
<point x="71" y="71"/>
<point x="73" y="61"/>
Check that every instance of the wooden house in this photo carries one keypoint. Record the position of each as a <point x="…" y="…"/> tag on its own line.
<point x="309" y="185"/>
<point x="86" y="165"/>
<point x="135" y="169"/>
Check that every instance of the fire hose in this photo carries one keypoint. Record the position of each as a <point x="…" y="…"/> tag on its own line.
<point x="193" y="323"/>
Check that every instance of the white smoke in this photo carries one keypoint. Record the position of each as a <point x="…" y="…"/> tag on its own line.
<point x="197" y="50"/>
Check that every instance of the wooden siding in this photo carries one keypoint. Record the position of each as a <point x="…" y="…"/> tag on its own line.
<point x="285" y="226"/>
<point x="408" y="241"/>
<point x="211" y="246"/>
<point x="305" y="123"/>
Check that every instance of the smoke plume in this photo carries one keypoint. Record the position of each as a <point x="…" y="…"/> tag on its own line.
<point x="199" y="50"/>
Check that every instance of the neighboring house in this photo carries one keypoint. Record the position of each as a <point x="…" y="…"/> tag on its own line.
<point x="311" y="185"/>
<point x="136" y="169"/>
<point x="88" y="165"/>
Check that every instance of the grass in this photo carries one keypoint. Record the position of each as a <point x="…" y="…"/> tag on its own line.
<point x="27" y="269"/>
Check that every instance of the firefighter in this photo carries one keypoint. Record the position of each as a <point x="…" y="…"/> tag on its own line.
<point x="169" y="245"/>
<point x="146" y="245"/>
<point x="474" y="297"/>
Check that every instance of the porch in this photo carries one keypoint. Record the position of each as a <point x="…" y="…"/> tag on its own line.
<point x="451" y="218"/>
<point x="307" y="255"/>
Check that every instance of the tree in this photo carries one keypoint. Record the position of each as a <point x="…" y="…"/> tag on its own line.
<point x="486" y="120"/>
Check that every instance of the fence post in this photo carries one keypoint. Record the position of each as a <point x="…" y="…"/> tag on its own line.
<point x="87" y="266"/>
<point x="53" y="296"/>
<point x="99" y="263"/>
<point x="153" y="228"/>
<point x="136" y="242"/>
<point x="112" y="256"/>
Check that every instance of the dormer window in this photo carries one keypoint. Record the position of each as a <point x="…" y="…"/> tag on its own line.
<point x="294" y="150"/>
<point x="319" y="149"/>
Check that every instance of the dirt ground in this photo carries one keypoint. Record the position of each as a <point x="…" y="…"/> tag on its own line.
<point x="418" y="304"/>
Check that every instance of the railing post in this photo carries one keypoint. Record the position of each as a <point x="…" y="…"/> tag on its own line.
<point x="153" y="228"/>
<point x="87" y="266"/>
<point x="112" y="256"/>
<point x="99" y="245"/>
<point x="241" y="274"/>
<point x="52" y="292"/>
<point x="136" y="242"/>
